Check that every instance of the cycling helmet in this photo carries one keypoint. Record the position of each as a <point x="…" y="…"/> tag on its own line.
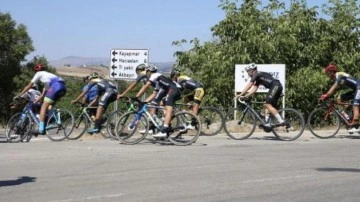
<point x="39" y="67"/>
<point x="151" y="68"/>
<point x="174" y="72"/>
<point x="330" y="68"/>
<point x="140" y="67"/>
<point x="94" y="75"/>
<point x="251" y="66"/>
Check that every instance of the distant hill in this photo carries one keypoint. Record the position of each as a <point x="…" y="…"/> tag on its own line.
<point x="75" y="61"/>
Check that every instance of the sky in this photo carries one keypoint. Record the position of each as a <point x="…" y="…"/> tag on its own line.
<point x="61" y="28"/>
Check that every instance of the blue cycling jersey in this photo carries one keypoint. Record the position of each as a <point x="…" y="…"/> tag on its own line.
<point x="92" y="93"/>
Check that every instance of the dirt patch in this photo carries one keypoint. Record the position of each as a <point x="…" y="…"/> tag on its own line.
<point x="83" y="71"/>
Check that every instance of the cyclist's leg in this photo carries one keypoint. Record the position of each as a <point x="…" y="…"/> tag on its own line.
<point x="272" y="99"/>
<point x="109" y="96"/>
<point x="173" y="94"/>
<point x="198" y="96"/>
<point x="356" y="103"/>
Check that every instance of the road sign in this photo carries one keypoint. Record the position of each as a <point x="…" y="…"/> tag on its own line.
<point x="124" y="61"/>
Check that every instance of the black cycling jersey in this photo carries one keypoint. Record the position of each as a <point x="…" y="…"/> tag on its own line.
<point x="345" y="79"/>
<point x="188" y="83"/>
<point x="263" y="78"/>
<point x="102" y="85"/>
<point x="160" y="81"/>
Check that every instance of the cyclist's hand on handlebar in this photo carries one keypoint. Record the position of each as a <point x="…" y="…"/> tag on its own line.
<point x="323" y="97"/>
<point x="243" y="98"/>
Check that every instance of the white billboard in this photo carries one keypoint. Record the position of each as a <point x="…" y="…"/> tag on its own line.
<point x="124" y="61"/>
<point x="242" y="78"/>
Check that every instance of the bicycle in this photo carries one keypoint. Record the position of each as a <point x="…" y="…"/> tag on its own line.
<point x="184" y="128"/>
<point x="211" y="118"/>
<point x="325" y="120"/>
<point x="241" y="122"/>
<point x="22" y="125"/>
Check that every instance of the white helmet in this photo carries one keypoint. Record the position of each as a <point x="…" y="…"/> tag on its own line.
<point x="251" y="66"/>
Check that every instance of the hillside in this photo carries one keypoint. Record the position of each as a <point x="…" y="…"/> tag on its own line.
<point x="82" y="71"/>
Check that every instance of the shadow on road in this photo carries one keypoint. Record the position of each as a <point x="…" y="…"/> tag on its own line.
<point x="20" y="180"/>
<point x="354" y="170"/>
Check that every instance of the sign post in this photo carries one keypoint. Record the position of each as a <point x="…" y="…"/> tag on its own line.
<point x="124" y="61"/>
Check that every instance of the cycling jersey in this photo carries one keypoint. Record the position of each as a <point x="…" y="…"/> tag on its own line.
<point x="54" y="85"/>
<point x="263" y="78"/>
<point x="46" y="78"/>
<point x="166" y="89"/>
<point x="31" y="95"/>
<point x="345" y="79"/>
<point x="159" y="81"/>
<point x="92" y="93"/>
<point x="188" y="83"/>
<point x="107" y="89"/>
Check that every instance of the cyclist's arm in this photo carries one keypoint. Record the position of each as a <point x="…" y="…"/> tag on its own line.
<point x="26" y="88"/>
<point x="252" y="91"/>
<point x="130" y="87"/>
<point x="143" y="89"/>
<point x="82" y="94"/>
<point x="151" y="97"/>
<point x="41" y="97"/>
<point x="247" y="87"/>
<point x="332" y="89"/>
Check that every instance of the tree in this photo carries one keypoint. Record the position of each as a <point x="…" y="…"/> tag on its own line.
<point x="274" y="34"/>
<point x="15" y="44"/>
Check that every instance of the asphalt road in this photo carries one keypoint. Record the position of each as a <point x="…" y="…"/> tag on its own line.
<point x="217" y="168"/>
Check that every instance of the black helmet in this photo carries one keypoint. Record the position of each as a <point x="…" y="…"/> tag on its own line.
<point x="140" y="67"/>
<point x="174" y="72"/>
<point x="151" y="68"/>
<point x="93" y="75"/>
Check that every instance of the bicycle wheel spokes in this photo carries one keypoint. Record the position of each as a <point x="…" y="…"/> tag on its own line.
<point x="323" y="124"/>
<point x="80" y="126"/>
<point x="17" y="130"/>
<point x="59" y="125"/>
<point x="186" y="128"/>
<point x="238" y="125"/>
<point x="127" y="135"/>
<point x="110" y="125"/>
<point x="294" y="125"/>
<point x="212" y="120"/>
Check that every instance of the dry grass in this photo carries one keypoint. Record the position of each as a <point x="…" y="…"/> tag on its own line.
<point x="83" y="71"/>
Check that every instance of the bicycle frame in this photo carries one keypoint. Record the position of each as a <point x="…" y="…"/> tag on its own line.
<point x="331" y="107"/>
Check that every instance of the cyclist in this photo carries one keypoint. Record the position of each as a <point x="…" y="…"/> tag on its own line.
<point x="275" y="89"/>
<point x="91" y="98"/>
<point x="188" y="83"/>
<point x="141" y="77"/>
<point x="108" y="93"/>
<point x="163" y="87"/>
<point x="54" y="89"/>
<point x="342" y="78"/>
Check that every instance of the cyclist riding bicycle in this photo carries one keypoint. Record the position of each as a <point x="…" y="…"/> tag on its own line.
<point x="258" y="78"/>
<point x="163" y="87"/>
<point x="345" y="79"/>
<point x="190" y="84"/>
<point x="108" y="92"/>
<point x="54" y="89"/>
<point x="141" y="77"/>
<point x="91" y="98"/>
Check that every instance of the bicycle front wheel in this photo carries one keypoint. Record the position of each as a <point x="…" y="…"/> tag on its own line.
<point x="323" y="124"/>
<point x="212" y="120"/>
<point x="110" y="124"/>
<point x="127" y="135"/>
<point x="186" y="128"/>
<point x="17" y="130"/>
<point x="80" y="126"/>
<point x="239" y="124"/>
<point x="59" y="125"/>
<point x="294" y="125"/>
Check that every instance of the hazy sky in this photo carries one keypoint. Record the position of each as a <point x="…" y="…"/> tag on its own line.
<point x="90" y="28"/>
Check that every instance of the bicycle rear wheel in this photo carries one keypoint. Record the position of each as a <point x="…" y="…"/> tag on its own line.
<point x="323" y="124"/>
<point x="186" y="128"/>
<point x="239" y="124"/>
<point x="294" y="125"/>
<point x="59" y="125"/>
<point x="80" y="126"/>
<point x="18" y="130"/>
<point x="212" y="120"/>
<point x="127" y="135"/>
